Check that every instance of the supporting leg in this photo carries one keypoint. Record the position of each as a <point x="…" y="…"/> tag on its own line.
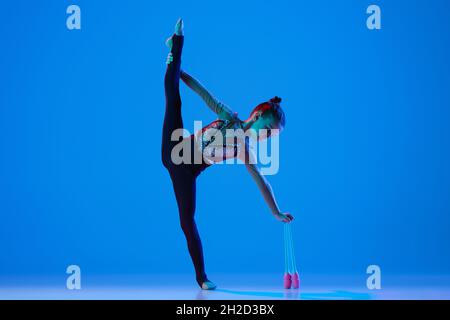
<point x="184" y="185"/>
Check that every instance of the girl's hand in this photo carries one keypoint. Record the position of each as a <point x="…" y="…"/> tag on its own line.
<point x="169" y="58"/>
<point x="284" y="217"/>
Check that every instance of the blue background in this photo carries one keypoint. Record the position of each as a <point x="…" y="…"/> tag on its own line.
<point x="364" y="157"/>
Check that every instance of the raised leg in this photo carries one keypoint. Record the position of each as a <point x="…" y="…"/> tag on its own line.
<point x="172" y="119"/>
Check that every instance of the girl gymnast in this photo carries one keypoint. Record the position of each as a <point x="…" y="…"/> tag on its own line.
<point x="267" y="117"/>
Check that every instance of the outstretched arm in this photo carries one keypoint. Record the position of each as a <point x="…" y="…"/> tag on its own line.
<point x="266" y="190"/>
<point x="221" y="109"/>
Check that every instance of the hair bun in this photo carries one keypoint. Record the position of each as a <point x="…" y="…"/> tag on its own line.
<point x="275" y="100"/>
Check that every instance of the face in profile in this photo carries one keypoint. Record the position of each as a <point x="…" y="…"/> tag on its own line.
<point x="267" y="120"/>
<point x="264" y="126"/>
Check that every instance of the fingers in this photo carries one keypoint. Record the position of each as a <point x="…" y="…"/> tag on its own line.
<point x="285" y="217"/>
<point x="169" y="58"/>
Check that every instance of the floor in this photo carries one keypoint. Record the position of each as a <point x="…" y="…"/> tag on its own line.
<point x="230" y="287"/>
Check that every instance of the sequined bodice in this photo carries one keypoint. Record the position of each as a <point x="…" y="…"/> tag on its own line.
<point x="218" y="141"/>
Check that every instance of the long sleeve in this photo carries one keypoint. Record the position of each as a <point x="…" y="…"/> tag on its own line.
<point x="261" y="181"/>
<point x="221" y="109"/>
